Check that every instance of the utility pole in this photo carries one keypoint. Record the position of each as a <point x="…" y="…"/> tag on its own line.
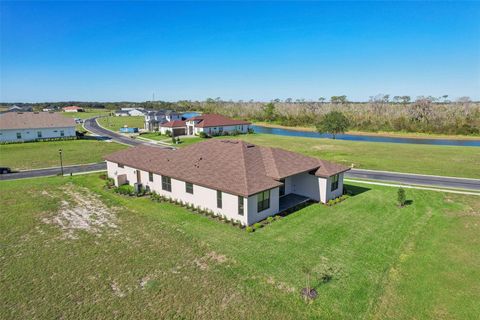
<point x="61" y="160"/>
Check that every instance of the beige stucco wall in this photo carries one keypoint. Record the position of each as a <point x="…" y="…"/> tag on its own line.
<point x="31" y="134"/>
<point x="204" y="197"/>
<point x="254" y="216"/>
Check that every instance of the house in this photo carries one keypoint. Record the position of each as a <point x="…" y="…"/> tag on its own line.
<point x="49" y="109"/>
<point x="154" y="118"/>
<point x="215" y="124"/>
<point x="233" y="178"/>
<point x="136" y="112"/>
<point x="16" y="108"/>
<point x="176" y="127"/>
<point x="28" y="126"/>
<point x="73" y="109"/>
<point x="121" y="113"/>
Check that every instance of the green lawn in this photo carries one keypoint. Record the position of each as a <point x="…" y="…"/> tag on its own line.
<point x="138" y="259"/>
<point x="115" y="123"/>
<point x="45" y="154"/>
<point x="184" y="141"/>
<point x="426" y="159"/>
<point x="89" y="113"/>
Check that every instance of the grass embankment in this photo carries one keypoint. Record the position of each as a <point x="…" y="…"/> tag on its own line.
<point x="421" y="159"/>
<point x="184" y="141"/>
<point x="134" y="258"/>
<point x="115" y="123"/>
<point x="399" y="134"/>
<point x="34" y="155"/>
<point x="89" y="113"/>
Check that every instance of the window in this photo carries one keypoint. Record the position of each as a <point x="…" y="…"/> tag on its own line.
<point x="188" y="187"/>
<point x="219" y="199"/>
<point x="334" y="185"/>
<point x="120" y="165"/>
<point x="263" y="201"/>
<point x="150" y="176"/>
<point x="39" y="134"/>
<point x="240" y="205"/>
<point x="19" y="135"/>
<point x="166" y="183"/>
<point x="62" y="133"/>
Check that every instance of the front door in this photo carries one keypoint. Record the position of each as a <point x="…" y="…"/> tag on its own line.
<point x="139" y="177"/>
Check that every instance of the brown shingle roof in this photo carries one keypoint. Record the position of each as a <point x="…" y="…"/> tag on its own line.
<point x="233" y="166"/>
<point x="173" y="124"/>
<point x="215" y="120"/>
<point x="34" y="120"/>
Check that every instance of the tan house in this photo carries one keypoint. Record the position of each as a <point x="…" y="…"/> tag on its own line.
<point x="242" y="181"/>
<point x="176" y="127"/>
<point x="73" y="109"/>
<point x="28" y="126"/>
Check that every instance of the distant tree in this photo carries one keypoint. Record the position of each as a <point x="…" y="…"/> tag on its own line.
<point x="269" y="111"/>
<point x="464" y="100"/>
<point x="339" y="99"/>
<point x="401" y="197"/>
<point x="321" y="99"/>
<point x="334" y="123"/>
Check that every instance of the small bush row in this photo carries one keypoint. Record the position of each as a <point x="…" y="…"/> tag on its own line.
<point x="332" y="202"/>
<point x="263" y="223"/>
<point x="40" y="140"/>
<point x="127" y="190"/>
<point x="196" y="209"/>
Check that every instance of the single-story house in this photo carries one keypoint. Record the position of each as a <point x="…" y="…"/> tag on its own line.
<point x="233" y="178"/>
<point x="122" y="113"/>
<point x="154" y="118"/>
<point x="28" y="126"/>
<point x="73" y="109"/>
<point x="49" y="109"/>
<point x="213" y="124"/>
<point x="16" y="108"/>
<point x="176" y="127"/>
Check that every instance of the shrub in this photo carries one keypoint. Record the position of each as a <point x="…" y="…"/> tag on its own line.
<point x="168" y="133"/>
<point x="109" y="183"/>
<point x="270" y="219"/>
<point x="278" y="217"/>
<point x="257" y="226"/>
<point x="250" y="130"/>
<point x="249" y="229"/>
<point x="202" y="135"/>
<point x="103" y="176"/>
<point x="337" y="200"/>
<point x="125" y="189"/>
<point x="330" y="202"/>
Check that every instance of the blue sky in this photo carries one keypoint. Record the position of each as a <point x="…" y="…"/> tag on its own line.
<point x="118" y="51"/>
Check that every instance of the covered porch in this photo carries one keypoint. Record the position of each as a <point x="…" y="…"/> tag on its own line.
<point x="292" y="201"/>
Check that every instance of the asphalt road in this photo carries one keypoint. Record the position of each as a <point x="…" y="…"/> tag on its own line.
<point x="92" y="126"/>
<point x="54" y="171"/>
<point x="414" y="179"/>
<point x="404" y="178"/>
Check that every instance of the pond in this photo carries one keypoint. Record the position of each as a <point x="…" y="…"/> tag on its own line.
<point x="354" y="137"/>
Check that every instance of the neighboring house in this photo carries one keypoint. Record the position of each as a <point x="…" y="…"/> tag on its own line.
<point x="73" y="109"/>
<point x="16" y="108"/>
<point x="213" y="124"/>
<point x="122" y="113"/>
<point x="233" y="178"/>
<point x="50" y="109"/>
<point x="30" y="126"/>
<point x="136" y="112"/>
<point x="176" y="127"/>
<point x="154" y="118"/>
<point x="130" y="109"/>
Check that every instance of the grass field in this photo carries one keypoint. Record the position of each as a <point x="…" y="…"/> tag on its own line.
<point x="89" y="113"/>
<point x="45" y="154"/>
<point x="73" y="250"/>
<point x="184" y="141"/>
<point x="115" y="123"/>
<point x="423" y="159"/>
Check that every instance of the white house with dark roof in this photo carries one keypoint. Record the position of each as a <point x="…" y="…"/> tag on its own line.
<point x="242" y="181"/>
<point x="212" y="124"/>
<point x="28" y="126"/>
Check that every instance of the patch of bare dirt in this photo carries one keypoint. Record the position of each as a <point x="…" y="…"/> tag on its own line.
<point x="81" y="209"/>
<point x="116" y="290"/>
<point x="204" y="262"/>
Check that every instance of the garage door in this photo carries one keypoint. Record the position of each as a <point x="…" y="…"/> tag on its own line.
<point x="179" y="131"/>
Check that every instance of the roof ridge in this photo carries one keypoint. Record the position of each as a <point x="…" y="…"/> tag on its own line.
<point x="244" y="162"/>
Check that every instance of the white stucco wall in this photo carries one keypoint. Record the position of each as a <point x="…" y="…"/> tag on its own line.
<point x="212" y="130"/>
<point x="254" y="215"/>
<point x="306" y="185"/>
<point x="204" y="197"/>
<point x="31" y="134"/>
